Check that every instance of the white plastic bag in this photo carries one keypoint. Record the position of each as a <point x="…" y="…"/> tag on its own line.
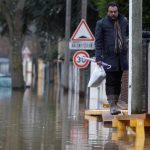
<point x="97" y="76"/>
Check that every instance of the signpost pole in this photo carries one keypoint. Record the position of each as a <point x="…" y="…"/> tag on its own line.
<point x="135" y="57"/>
<point x="84" y="9"/>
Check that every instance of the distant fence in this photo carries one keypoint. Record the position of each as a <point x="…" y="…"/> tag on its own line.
<point x="99" y="93"/>
<point x="124" y="91"/>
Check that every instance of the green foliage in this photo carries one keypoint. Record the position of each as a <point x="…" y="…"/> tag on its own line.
<point x="102" y="6"/>
<point x="124" y="9"/>
<point x="50" y="53"/>
<point x="53" y="53"/>
<point x="49" y="19"/>
<point x="48" y="15"/>
<point x="146" y="15"/>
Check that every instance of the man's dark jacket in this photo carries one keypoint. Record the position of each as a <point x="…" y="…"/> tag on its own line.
<point x="105" y="43"/>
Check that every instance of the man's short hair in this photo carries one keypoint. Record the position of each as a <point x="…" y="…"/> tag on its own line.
<point x="112" y="4"/>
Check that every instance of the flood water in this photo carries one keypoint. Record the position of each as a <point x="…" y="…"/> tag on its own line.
<point x="54" y="120"/>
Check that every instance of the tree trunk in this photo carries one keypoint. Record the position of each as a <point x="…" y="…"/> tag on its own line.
<point x="67" y="51"/>
<point x="16" y="64"/>
<point x="15" y="25"/>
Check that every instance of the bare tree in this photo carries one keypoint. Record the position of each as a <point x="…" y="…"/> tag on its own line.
<point x="14" y="20"/>
<point x="67" y="51"/>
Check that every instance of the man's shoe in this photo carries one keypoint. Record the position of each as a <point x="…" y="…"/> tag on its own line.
<point x="114" y="110"/>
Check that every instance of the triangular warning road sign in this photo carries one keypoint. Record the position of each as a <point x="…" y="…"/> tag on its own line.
<point x="82" y="33"/>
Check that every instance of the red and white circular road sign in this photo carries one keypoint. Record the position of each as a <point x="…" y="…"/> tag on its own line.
<point x="79" y="60"/>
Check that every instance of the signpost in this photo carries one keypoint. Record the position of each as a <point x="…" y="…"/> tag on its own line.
<point x="82" y="38"/>
<point x="79" y="60"/>
<point x="135" y="98"/>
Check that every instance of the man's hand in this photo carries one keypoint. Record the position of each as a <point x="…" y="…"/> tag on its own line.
<point x="99" y="63"/>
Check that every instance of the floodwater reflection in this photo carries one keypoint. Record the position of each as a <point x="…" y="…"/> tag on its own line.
<point x="5" y="92"/>
<point x="54" y="121"/>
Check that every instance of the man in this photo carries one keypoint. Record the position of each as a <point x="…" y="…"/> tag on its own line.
<point x="110" y="34"/>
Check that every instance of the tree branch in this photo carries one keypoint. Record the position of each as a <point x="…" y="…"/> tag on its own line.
<point x="20" y="5"/>
<point x="7" y="16"/>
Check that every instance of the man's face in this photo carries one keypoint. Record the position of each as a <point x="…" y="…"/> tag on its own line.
<point x="113" y="12"/>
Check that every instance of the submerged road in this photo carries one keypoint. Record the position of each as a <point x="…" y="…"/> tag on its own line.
<point x="55" y="121"/>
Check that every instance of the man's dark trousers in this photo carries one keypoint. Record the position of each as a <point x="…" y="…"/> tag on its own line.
<point x="113" y="85"/>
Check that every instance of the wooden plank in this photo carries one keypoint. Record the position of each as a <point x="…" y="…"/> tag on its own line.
<point x="121" y="126"/>
<point x="100" y="111"/>
<point x="147" y="116"/>
<point x="147" y="123"/>
<point x="133" y="123"/>
<point x="106" y="105"/>
<point x="140" y="143"/>
<point x="130" y="117"/>
<point x="140" y="132"/>
<point x="91" y="118"/>
<point x="107" y="117"/>
<point x="114" y="123"/>
<point x="95" y="111"/>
